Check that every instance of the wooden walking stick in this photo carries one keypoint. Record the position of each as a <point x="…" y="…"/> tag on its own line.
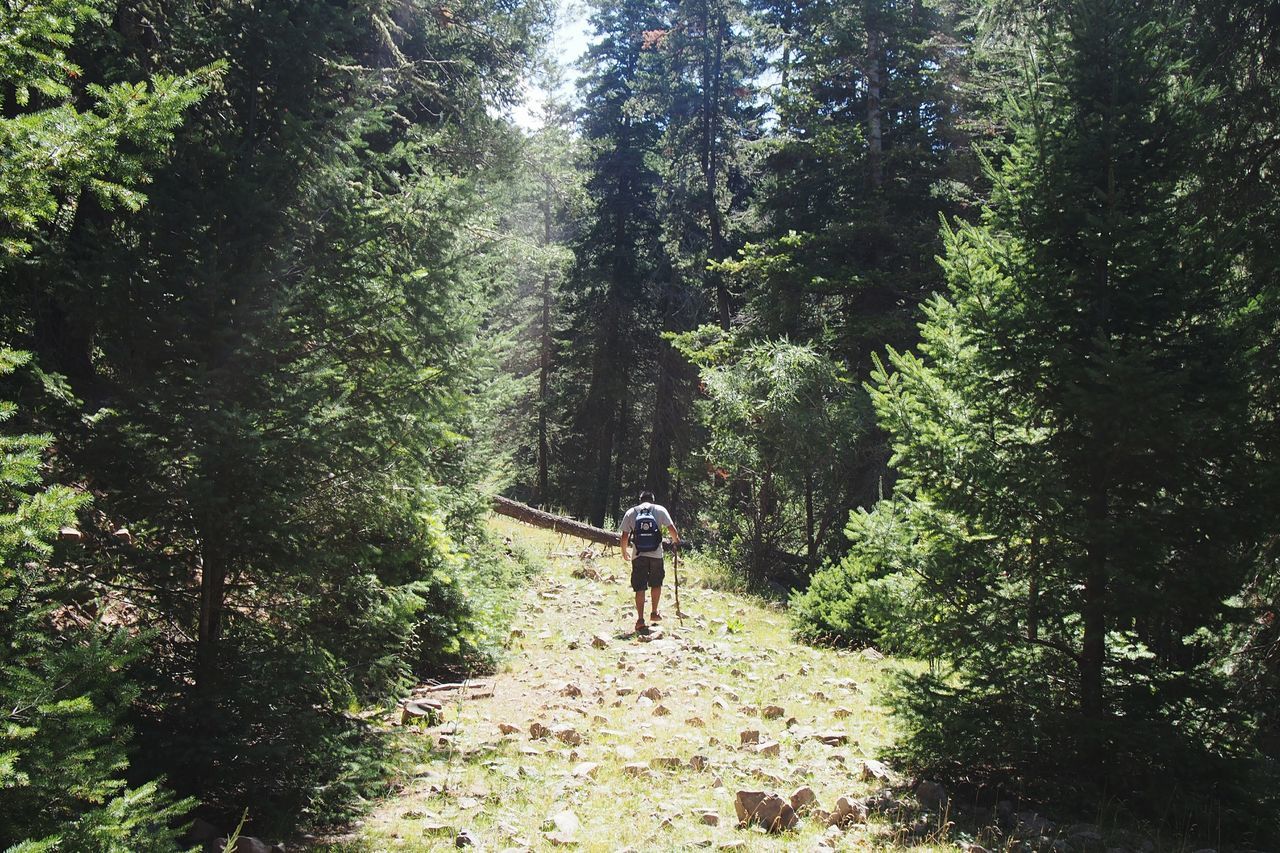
<point x="675" y="564"/>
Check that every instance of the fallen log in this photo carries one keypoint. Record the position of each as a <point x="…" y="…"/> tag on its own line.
<point x="558" y="523"/>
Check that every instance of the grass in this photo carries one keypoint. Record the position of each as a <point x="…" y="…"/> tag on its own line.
<point x="730" y="657"/>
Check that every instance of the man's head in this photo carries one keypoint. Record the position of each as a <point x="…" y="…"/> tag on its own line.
<point x="646" y="497"/>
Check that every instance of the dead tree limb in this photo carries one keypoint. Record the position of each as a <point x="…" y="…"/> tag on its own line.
<point x="558" y="523"/>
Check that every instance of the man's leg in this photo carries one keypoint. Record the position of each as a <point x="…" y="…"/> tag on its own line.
<point x="657" y="574"/>
<point x="639" y="581"/>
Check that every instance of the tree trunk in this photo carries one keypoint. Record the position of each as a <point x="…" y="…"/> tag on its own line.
<point x="609" y="369"/>
<point x="597" y="457"/>
<point x="1097" y="510"/>
<point x="64" y="317"/>
<point x="213" y="584"/>
<point x="544" y="376"/>
<point x="757" y="532"/>
<point x="810" y="540"/>
<point x="620" y="453"/>
<point x="788" y="12"/>
<point x="875" y="142"/>
<point x="1093" y="651"/>
<point x="713" y="73"/>
<point x="544" y="350"/>
<point x="548" y="521"/>
<point x="658" y="472"/>
<point x="599" y="505"/>
<point x="1033" y="592"/>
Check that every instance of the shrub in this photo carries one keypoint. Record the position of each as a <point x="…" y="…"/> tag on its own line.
<point x="870" y="597"/>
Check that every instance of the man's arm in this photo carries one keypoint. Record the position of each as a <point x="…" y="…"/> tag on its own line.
<point x="628" y="524"/>
<point x="665" y="520"/>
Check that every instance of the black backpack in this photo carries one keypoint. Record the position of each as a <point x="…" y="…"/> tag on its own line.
<point x="647" y="534"/>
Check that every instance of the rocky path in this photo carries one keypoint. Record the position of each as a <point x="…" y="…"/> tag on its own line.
<point x="593" y="739"/>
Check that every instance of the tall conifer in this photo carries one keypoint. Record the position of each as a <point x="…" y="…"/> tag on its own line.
<point x="275" y="358"/>
<point x="617" y="251"/>
<point x="1070" y="481"/>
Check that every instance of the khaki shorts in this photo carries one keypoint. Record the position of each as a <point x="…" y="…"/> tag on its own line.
<point x="647" y="573"/>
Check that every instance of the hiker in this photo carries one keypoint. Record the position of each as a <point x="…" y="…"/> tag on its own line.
<point x="646" y="521"/>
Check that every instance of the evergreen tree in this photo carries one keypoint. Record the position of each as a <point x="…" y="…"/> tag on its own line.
<point x="1072" y="498"/>
<point x="61" y="138"/>
<point x="64" y="683"/>
<point x="617" y="256"/>
<point x="710" y="61"/>
<point x="783" y="421"/>
<point x="275" y="358"/>
<point x="870" y="148"/>
<point x="711" y="58"/>
<point x="1236" y="50"/>
<point x="534" y="211"/>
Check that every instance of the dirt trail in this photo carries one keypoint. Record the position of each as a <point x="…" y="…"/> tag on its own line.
<point x="616" y="768"/>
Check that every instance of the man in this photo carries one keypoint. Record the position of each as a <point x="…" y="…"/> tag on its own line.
<point x="645" y="521"/>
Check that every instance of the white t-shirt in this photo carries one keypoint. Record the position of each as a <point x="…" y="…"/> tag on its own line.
<point x="659" y="513"/>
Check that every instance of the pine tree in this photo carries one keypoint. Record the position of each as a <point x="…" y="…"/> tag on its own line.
<point x="869" y="150"/>
<point x="711" y="114"/>
<point x="783" y="419"/>
<point x="275" y="358"/>
<point x="1071" y="498"/>
<point x="55" y="149"/>
<point x="617" y="253"/>
<point x="535" y="211"/>
<point x="1235" y="50"/>
<point x="64" y="683"/>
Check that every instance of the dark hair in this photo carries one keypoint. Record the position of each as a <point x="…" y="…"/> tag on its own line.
<point x="646" y="497"/>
